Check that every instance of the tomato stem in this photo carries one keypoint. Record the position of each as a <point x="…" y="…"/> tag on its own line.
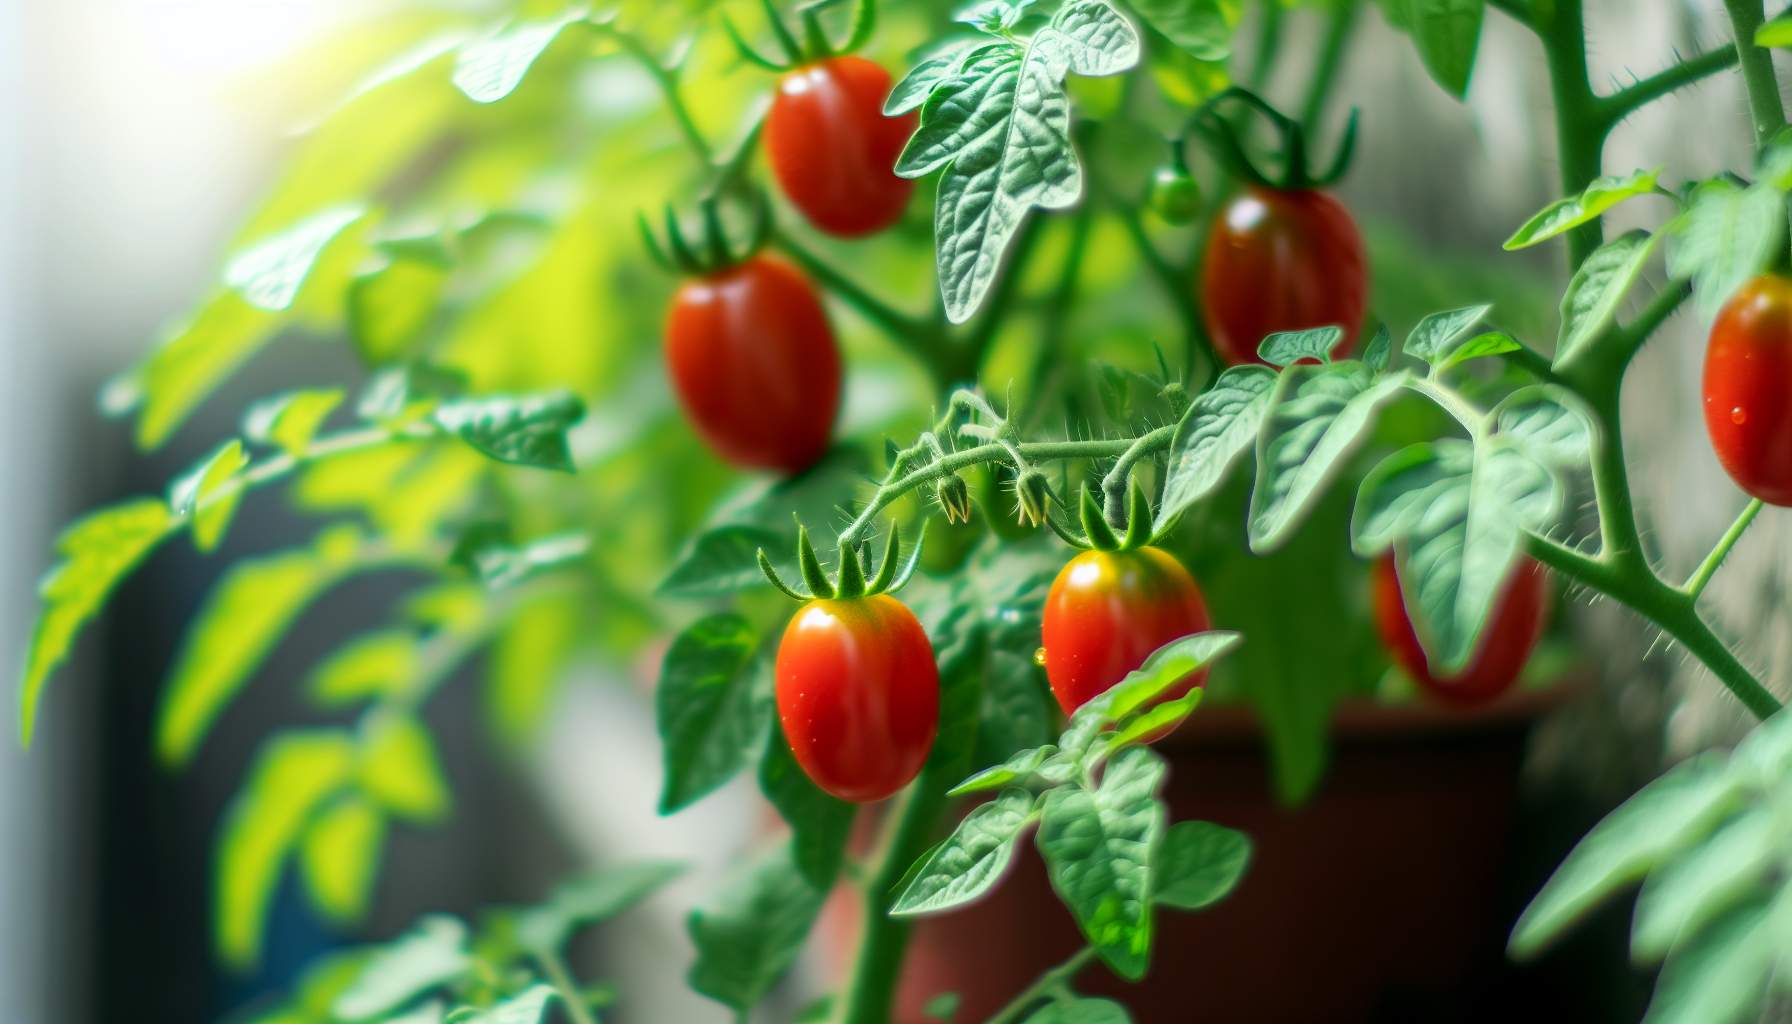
<point x="1340" y="21"/>
<point x="554" y="966"/>
<point x="1616" y="106"/>
<point x="1757" y="71"/>
<point x="1049" y="985"/>
<point x="1696" y="583"/>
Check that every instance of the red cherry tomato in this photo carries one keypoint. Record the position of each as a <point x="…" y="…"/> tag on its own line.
<point x="1281" y="260"/>
<point x="833" y="150"/>
<point x="858" y="695"/>
<point x="1748" y="388"/>
<point x="1107" y="611"/>
<point x="755" y="365"/>
<point x="1506" y="643"/>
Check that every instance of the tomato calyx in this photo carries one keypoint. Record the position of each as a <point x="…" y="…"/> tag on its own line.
<point x="814" y="45"/>
<point x="717" y="248"/>
<point x="893" y="570"/>
<point x="1224" y="138"/>
<point x="1098" y="534"/>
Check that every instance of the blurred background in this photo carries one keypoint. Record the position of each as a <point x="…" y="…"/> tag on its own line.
<point x="134" y="137"/>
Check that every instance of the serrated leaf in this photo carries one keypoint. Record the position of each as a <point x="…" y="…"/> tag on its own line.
<point x="293" y="775"/>
<point x="428" y="956"/>
<point x="527" y="430"/>
<point x="819" y="823"/>
<point x="1571" y="212"/>
<point x="1438" y="334"/>
<point x="1446" y="34"/>
<point x="1202" y="28"/>
<point x="721" y="561"/>
<point x="751" y="932"/>
<point x="1681" y="897"/>
<point x="1481" y="346"/>
<point x="491" y="68"/>
<point x="1097" y="848"/>
<point x="914" y="88"/>
<point x="971" y="861"/>
<point x="1018" y="768"/>
<point x="1156" y="720"/>
<point x="1160" y="672"/>
<point x="206" y="496"/>
<point x="340" y="856"/>
<point x="526" y="1007"/>
<point x="1285" y="348"/>
<point x="243" y="618"/>
<point x="1550" y="423"/>
<point x="501" y="565"/>
<point x="378" y="664"/>
<point x="1316" y="418"/>
<point x="1078" y="1010"/>
<point x="291" y="419"/>
<point x="1727" y="235"/>
<point x="96" y="552"/>
<point x="1219" y="425"/>
<point x="1591" y="302"/>
<point x="1379" y="350"/>
<point x="1721" y="976"/>
<point x="269" y="273"/>
<point x="712" y="706"/>
<point x="399" y="396"/>
<point x="1199" y="865"/>
<point x="1664" y="817"/>
<point x="999" y="128"/>
<point x="596" y="897"/>
<point x="397" y="767"/>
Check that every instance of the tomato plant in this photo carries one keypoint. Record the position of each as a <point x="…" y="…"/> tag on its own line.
<point x="1220" y="398"/>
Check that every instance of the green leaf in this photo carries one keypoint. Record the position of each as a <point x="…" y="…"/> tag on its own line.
<point x="206" y="496"/>
<point x="712" y="705"/>
<point x="1775" y="33"/>
<point x="1458" y="513"/>
<point x="1550" y="423"/>
<point x="1573" y="211"/>
<point x="1446" y="33"/>
<point x="941" y="1007"/>
<point x="1379" y="350"/>
<point x="1591" y="302"/>
<point x="1160" y="672"/>
<point x="1159" y="719"/>
<point x="430" y="955"/>
<point x="96" y="552"/>
<point x="999" y="128"/>
<point x="340" y="856"/>
<point x="1077" y="1010"/>
<point x="489" y="69"/>
<point x="819" y="823"/>
<point x="378" y="664"/>
<point x="268" y="274"/>
<point x="399" y="396"/>
<point x="501" y="564"/>
<point x="392" y="305"/>
<point x="596" y="897"/>
<point x="291" y="419"/>
<point x="243" y="618"/>
<point x="749" y="936"/>
<point x="721" y="561"/>
<point x="1316" y="418"/>
<point x="1200" y="864"/>
<point x="527" y="662"/>
<point x="910" y="93"/>
<point x="1439" y="334"/>
<point x="1097" y="848"/>
<point x="1285" y="348"/>
<point x="293" y="776"/>
<point x="1663" y="818"/>
<point x="1681" y="897"/>
<point x="1727" y="235"/>
<point x="1492" y="343"/>
<point x="526" y="1007"/>
<point x="528" y="430"/>
<point x="972" y="860"/>
<point x="1021" y="767"/>
<point x="398" y="768"/>
<point x="1721" y="976"/>
<point x="1203" y="28"/>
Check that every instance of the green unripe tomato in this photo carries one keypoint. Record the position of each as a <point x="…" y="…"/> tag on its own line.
<point x="1175" y="195"/>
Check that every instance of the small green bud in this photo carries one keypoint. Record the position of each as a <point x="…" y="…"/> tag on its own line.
<point x="1175" y="196"/>
<point x="954" y="498"/>
<point x="1032" y="496"/>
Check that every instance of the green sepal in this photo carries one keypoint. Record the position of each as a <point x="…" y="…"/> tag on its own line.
<point x="813" y="574"/>
<point x="905" y="568"/>
<point x="1095" y="523"/>
<point x="1222" y="136"/>
<point x="850" y="580"/>
<point x="886" y="569"/>
<point x="1138" y="517"/>
<point x="777" y="581"/>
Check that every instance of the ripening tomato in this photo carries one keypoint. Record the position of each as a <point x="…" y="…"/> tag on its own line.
<point x="833" y="150"/>
<point x="1748" y="388"/>
<point x="858" y="695"/>
<point x="1281" y="260"/>
<point x="1505" y="645"/>
<point x="1107" y="611"/>
<point x="755" y="364"/>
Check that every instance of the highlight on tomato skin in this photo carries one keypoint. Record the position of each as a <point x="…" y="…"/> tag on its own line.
<point x="1281" y="260"/>
<point x="1505" y="646"/>
<point x="858" y="695"/>
<point x="834" y="151"/>
<point x="755" y="364"/>
<point x="1107" y="611"/>
<point x="1748" y="388"/>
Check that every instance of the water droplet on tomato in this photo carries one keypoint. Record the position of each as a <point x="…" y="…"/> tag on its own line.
<point x="1739" y="415"/>
<point x="1039" y="656"/>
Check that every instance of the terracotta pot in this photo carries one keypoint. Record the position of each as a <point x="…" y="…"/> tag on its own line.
<point x="1380" y="889"/>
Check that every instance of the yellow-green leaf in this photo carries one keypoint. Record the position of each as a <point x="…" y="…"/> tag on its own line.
<point x="398" y="767"/>
<point x="206" y="495"/>
<point x="526" y="663"/>
<point x="291" y="420"/>
<point x="340" y="855"/>
<point x="390" y="305"/>
<point x="377" y="664"/>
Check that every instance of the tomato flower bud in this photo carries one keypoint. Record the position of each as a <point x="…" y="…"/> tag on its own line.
<point x="1032" y="495"/>
<point x="954" y="498"/>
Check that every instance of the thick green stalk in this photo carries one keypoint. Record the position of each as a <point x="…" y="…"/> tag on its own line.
<point x="1051" y="983"/>
<point x="1340" y="21"/>
<point x="1580" y="127"/>
<point x="1757" y="70"/>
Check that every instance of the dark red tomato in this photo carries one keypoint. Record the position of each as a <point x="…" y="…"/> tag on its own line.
<point x="1506" y="643"/>
<point x="1281" y="260"/>
<point x="858" y="695"/>
<point x="755" y="365"/>
<point x="834" y="151"/>
<point x="1748" y="388"/>
<point x="1107" y="611"/>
